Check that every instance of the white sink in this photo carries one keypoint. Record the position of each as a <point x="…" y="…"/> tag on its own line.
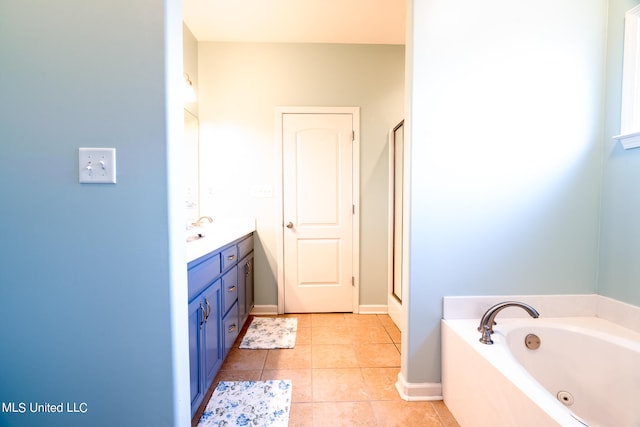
<point x="209" y="237"/>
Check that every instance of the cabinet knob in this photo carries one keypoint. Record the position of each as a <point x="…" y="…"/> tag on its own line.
<point x="232" y="328"/>
<point x="289" y="224"/>
<point x="231" y="289"/>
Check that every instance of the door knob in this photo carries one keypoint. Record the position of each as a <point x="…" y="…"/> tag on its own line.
<point x="289" y="224"/>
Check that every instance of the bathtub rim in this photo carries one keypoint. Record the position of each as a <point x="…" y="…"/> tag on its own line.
<point x="564" y="305"/>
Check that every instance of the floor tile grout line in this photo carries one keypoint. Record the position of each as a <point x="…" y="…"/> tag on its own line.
<point x="438" y="414"/>
<point x="369" y="400"/>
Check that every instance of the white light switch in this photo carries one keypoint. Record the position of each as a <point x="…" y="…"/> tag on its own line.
<point x="97" y="165"/>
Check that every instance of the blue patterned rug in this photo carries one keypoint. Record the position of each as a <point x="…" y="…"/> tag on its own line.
<point x="248" y="403"/>
<point x="267" y="333"/>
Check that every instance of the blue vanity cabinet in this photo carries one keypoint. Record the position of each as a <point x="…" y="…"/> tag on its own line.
<point x="216" y="281"/>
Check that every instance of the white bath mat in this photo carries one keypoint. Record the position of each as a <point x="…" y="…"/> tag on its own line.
<point x="248" y="403"/>
<point x="270" y="333"/>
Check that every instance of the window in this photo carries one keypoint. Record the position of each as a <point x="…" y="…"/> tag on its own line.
<point x="630" y="117"/>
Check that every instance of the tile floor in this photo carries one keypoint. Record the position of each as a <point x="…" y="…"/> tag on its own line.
<point x="344" y="368"/>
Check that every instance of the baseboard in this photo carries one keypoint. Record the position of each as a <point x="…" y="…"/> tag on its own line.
<point x="264" y="310"/>
<point x="373" y="309"/>
<point x="364" y="309"/>
<point x="418" y="391"/>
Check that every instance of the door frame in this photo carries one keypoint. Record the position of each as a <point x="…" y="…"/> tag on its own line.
<point x="394" y="306"/>
<point x="355" y="183"/>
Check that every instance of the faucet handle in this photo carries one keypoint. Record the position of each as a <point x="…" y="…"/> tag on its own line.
<point x="486" y="335"/>
<point x="482" y="326"/>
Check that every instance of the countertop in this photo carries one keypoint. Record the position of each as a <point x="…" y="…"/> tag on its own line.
<point x="217" y="234"/>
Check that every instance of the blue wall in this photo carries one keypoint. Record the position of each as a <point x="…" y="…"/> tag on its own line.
<point x="506" y="153"/>
<point x="86" y="270"/>
<point x="620" y="234"/>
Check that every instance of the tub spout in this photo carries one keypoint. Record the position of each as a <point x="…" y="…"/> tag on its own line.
<point x="488" y="319"/>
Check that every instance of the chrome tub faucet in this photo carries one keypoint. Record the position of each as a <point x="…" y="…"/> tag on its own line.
<point x="488" y="319"/>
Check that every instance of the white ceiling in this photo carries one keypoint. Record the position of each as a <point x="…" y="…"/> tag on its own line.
<point x="297" y="21"/>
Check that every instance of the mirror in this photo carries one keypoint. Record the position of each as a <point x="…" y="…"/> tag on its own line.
<point x="191" y="166"/>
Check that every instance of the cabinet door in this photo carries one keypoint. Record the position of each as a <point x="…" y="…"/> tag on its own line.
<point x="196" y="323"/>
<point x="211" y="333"/>
<point x="242" y="291"/>
<point x="249" y="283"/>
<point x="245" y="288"/>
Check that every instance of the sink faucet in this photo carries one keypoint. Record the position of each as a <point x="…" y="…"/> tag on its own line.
<point x="488" y="319"/>
<point x="198" y="223"/>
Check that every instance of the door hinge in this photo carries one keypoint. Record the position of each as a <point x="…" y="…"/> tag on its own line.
<point x="353" y="135"/>
<point x="353" y="281"/>
<point x="353" y="209"/>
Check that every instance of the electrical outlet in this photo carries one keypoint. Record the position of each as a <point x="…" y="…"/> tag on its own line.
<point x="97" y="165"/>
<point x="261" y="191"/>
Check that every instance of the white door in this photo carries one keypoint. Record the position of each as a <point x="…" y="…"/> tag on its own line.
<point x="318" y="212"/>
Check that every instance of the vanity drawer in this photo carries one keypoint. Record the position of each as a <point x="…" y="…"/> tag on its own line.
<point x="230" y="328"/>
<point x="202" y="274"/>
<point x="229" y="257"/>
<point x="245" y="246"/>
<point x="229" y="288"/>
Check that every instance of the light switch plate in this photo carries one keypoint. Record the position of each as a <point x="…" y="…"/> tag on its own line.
<point x="97" y="165"/>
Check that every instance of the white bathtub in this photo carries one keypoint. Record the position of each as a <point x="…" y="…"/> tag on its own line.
<point x="590" y="361"/>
